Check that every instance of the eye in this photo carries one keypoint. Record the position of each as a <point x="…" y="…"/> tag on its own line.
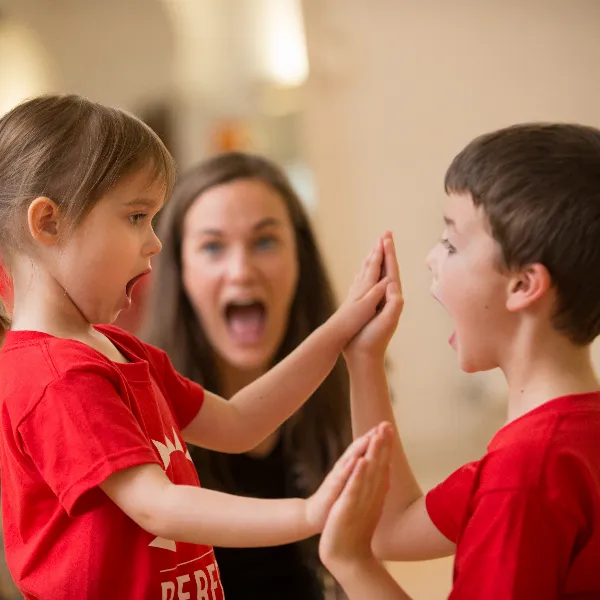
<point x="266" y="242"/>
<point x="451" y="249"/>
<point x="137" y="218"/>
<point x="213" y="247"/>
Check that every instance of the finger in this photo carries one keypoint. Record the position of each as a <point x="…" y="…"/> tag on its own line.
<point x="375" y="446"/>
<point x="391" y="308"/>
<point x="377" y="472"/>
<point x="375" y="297"/>
<point x="383" y="270"/>
<point x="391" y="261"/>
<point x="369" y="272"/>
<point x="337" y="479"/>
<point x="351" y="494"/>
<point x="357" y="448"/>
<point x="373" y="273"/>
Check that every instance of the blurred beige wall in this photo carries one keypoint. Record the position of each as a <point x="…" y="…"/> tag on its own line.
<point x="119" y="53"/>
<point x="396" y="88"/>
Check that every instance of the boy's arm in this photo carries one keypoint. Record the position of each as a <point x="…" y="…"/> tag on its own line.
<point x="191" y="514"/>
<point x="257" y="410"/>
<point x="345" y="545"/>
<point x="405" y="531"/>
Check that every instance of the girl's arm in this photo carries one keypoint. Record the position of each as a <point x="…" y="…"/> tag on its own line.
<point x="195" y="515"/>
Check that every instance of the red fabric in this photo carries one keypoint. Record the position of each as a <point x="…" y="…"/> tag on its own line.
<point x="526" y="517"/>
<point x="70" y="418"/>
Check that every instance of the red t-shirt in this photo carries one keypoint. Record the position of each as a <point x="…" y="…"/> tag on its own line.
<point x="526" y="517"/>
<point x="70" y="418"/>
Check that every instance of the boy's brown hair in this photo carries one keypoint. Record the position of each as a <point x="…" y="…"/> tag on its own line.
<point x="539" y="187"/>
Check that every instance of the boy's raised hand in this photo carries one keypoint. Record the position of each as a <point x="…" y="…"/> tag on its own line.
<point x="381" y="266"/>
<point x="346" y="537"/>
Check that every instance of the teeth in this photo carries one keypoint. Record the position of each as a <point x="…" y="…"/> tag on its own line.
<point x="243" y="302"/>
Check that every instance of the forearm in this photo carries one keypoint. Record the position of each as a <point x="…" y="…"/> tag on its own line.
<point x="266" y="403"/>
<point x="367" y="580"/>
<point x="201" y="516"/>
<point x="371" y="404"/>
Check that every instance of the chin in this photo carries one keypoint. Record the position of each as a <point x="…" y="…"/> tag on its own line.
<point x="468" y="365"/>
<point x="249" y="359"/>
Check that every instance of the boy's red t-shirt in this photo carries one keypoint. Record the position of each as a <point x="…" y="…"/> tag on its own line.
<point x="526" y="517"/>
<point x="70" y="418"/>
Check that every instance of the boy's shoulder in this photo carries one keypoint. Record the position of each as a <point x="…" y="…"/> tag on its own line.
<point x="552" y="446"/>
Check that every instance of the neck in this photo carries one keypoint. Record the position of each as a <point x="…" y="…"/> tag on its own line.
<point x="42" y="304"/>
<point x="547" y="367"/>
<point x="233" y="379"/>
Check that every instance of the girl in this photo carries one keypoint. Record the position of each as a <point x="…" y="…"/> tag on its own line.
<point x="100" y="498"/>
<point x="239" y="284"/>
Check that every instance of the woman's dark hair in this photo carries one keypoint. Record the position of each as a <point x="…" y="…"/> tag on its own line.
<point x="318" y="433"/>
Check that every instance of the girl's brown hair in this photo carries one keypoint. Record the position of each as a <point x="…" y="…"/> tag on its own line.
<point x="72" y="151"/>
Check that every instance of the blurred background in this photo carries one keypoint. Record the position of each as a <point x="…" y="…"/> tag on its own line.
<point x="364" y="104"/>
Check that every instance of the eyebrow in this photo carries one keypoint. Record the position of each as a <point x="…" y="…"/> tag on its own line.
<point x="262" y="224"/>
<point x="144" y="203"/>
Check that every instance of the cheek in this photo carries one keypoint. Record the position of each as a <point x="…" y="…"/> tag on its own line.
<point x="200" y="284"/>
<point x="283" y="279"/>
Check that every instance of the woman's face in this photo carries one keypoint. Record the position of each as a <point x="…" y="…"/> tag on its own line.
<point x="240" y="270"/>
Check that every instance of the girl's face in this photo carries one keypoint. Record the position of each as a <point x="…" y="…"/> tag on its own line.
<point x="98" y="266"/>
<point x="240" y="270"/>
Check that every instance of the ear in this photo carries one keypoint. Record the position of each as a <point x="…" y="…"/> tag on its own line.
<point x="43" y="221"/>
<point x="527" y="286"/>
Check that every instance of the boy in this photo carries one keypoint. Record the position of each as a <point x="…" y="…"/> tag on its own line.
<point x="517" y="269"/>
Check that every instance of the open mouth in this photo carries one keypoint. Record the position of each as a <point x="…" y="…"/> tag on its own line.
<point x="246" y="320"/>
<point x="132" y="282"/>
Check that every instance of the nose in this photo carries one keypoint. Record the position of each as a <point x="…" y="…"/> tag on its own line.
<point x="239" y="266"/>
<point x="154" y="245"/>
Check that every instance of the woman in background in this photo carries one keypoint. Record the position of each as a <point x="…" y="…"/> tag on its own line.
<point x="238" y="285"/>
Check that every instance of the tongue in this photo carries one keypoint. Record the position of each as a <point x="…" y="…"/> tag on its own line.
<point x="246" y="323"/>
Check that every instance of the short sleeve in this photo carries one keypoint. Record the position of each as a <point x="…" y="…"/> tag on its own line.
<point x="517" y="545"/>
<point x="447" y="502"/>
<point x="81" y="432"/>
<point x="184" y="395"/>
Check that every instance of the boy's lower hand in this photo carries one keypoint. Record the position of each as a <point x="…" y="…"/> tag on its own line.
<point x="319" y="504"/>
<point x="375" y="336"/>
<point x="348" y="531"/>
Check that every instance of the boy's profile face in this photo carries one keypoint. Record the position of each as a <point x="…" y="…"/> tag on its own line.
<point x="469" y="285"/>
